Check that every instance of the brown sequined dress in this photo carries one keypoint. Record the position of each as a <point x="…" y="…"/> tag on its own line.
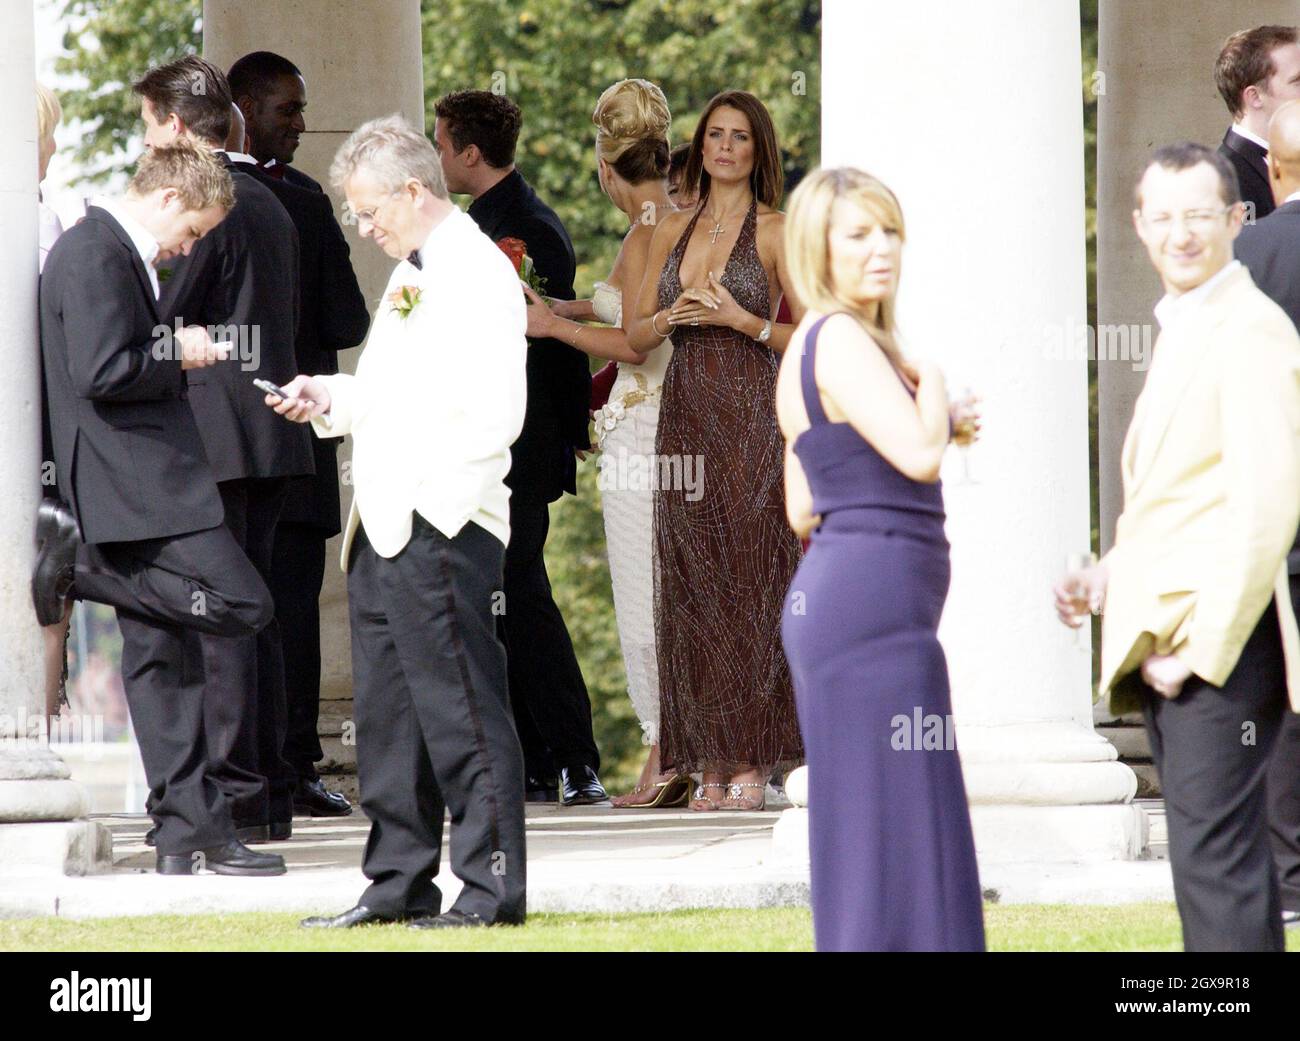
<point x="723" y="558"/>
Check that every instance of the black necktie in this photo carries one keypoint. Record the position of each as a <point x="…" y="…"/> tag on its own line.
<point x="414" y="260"/>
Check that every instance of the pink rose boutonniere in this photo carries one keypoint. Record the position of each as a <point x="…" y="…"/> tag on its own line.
<point x="404" y="300"/>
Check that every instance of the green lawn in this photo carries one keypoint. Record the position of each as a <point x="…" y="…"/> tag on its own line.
<point x="1133" y="927"/>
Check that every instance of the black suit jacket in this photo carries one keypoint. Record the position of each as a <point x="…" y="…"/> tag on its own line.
<point x="299" y="179"/>
<point x="1270" y="250"/>
<point x="128" y="455"/>
<point x="556" y="421"/>
<point x="1250" y="162"/>
<point x="244" y="273"/>
<point x="332" y="316"/>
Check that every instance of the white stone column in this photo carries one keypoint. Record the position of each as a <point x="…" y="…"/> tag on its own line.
<point x="360" y="59"/>
<point x="35" y="789"/>
<point x="972" y="114"/>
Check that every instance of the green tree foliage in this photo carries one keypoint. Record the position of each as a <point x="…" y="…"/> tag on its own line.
<point x="111" y="43"/>
<point x="555" y="57"/>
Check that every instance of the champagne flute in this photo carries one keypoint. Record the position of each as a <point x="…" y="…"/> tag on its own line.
<point x="1080" y="562"/>
<point x="963" y="431"/>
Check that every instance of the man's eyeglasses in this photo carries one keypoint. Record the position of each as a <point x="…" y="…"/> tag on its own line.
<point x="368" y="215"/>
<point x="1193" y="220"/>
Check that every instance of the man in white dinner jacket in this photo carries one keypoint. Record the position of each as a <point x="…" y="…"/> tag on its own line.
<point x="436" y="402"/>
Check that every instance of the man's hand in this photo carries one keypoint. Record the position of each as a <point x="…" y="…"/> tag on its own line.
<point x="197" y="348"/>
<point x="308" y="398"/>
<point x="1165" y="674"/>
<point x="1079" y="594"/>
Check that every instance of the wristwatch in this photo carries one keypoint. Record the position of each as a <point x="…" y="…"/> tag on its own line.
<point x="765" y="333"/>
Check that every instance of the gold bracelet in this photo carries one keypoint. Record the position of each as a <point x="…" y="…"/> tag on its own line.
<point x="654" y="319"/>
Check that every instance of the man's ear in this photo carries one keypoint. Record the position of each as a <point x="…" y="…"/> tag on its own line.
<point x="471" y="156"/>
<point x="1274" y="168"/>
<point x="247" y="105"/>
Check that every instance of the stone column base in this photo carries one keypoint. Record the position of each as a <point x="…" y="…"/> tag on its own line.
<point x="1046" y="834"/>
<point x="1013" y="834"/>
<point x="55" y="848"/>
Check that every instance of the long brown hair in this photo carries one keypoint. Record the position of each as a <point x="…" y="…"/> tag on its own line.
<point x="766" y="180"/>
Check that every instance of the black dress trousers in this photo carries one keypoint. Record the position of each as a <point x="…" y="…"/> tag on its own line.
<point x="433" y="725"/>
<point x="246" y="718"/>
<point x="297" y="573"/>
<point x="1284" y="797"/>
<point x="167" y="591"/>
<point x="1212" y="747"/>
<point x="550" y="701"/>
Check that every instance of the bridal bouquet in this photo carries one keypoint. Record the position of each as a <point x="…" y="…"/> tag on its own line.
<point x="517" y="251"/>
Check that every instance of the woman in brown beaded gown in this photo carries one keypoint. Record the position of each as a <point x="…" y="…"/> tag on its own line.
<point x="724" y="556"/>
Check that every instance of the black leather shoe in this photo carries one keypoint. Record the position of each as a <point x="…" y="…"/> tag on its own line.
<point x="354" y="916"/>
<point x="313" y="799"/>
<point x="252" y="832"/>
<point x="452" y="919"/>
<point x="280" y="831"/>
<point x="231" y="859"/>
<point x="57" y="537"/>
<point x="581" y="787"/>
<point x="537" y="790"/>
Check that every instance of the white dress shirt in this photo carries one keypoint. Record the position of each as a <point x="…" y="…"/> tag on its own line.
<point x="145" y="244"/>
<point x="1249" y="135"/>
<point x="1171" y="308"/>
<point x="439" y="396"/>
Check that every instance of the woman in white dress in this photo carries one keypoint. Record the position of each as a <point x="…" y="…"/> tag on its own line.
<point x="632" y="121"/>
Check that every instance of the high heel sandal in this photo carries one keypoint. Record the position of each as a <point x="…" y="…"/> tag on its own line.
<point x="736" y="795"/>
<point x="667" y="794"/>
<point x="699" y="796"/>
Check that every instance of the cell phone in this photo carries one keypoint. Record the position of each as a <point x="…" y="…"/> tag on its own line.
<point x="270" y="388"/>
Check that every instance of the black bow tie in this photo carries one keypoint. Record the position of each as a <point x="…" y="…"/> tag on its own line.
<point x="414" y="260"/>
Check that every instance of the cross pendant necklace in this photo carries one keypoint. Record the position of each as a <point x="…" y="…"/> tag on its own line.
<point x="718" y="229"/>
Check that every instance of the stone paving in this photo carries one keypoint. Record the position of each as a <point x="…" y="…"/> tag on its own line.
<point x="593" y="859"/>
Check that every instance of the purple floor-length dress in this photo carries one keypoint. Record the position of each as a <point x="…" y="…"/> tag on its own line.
<point x="893" y="860"/>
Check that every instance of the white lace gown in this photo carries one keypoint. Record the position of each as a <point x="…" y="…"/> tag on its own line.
<point x="625" y="435"/>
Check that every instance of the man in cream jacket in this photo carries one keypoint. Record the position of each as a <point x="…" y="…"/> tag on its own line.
<point x="436" y="402"/>
<point x="1198" y="629"/>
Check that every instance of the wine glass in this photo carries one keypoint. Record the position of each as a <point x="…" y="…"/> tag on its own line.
<point x="964" y="430"/>
<point x="1075" y="562"/>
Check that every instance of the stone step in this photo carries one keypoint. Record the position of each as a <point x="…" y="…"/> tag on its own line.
<point x="1131" y="743"/>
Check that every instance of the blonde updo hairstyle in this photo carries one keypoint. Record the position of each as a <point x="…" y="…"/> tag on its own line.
<point x="807" y="244"/>
<point x="632" y="120"/>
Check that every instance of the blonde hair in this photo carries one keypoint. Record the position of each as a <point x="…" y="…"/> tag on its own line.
<point x="48" y="112"/>
<point x="195" y="172"/>
<point x="632" y="120"/>
<point x="807" y="244"/>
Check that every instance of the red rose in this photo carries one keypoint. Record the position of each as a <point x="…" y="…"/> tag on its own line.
<point x="516" y="250"/>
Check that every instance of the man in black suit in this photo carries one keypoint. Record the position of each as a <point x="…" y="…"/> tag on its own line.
<point x="1271" y="252"/>
<point x="130" y="461"/>
<point x="475" y="134"/>
<point x="1258" y="70"/>
<point x="243" y="277"/>
<point x="271" y="95"/>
